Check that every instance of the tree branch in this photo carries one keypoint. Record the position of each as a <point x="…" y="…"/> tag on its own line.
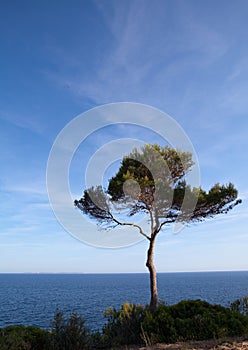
<point x="164" y="223"/>
<point x="130" y="224"/>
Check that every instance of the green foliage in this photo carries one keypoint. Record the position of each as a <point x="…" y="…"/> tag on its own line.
<point x="159" y="174"/>
<point x="157" y="170"/>
<point x="133" y="324"/>
<point x="123" y="326"/>
<point x="94" y="203"/>
<point x="69" y="334"/>
<point x="240" y="305"/>
<point x="198" y="320"/>
<point x="23" y="338"/>
<point x="160" y="325"/>
<point x="217" y="200"/>
<point x="187" y="320"/>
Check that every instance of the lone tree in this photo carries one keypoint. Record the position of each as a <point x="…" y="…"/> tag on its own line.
<point x="153" y="181"/>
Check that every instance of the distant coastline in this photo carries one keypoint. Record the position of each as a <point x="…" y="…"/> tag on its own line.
<point x="118" y="273"/>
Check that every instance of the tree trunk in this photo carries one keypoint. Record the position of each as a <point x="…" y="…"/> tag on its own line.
<point x="153" y="275"/>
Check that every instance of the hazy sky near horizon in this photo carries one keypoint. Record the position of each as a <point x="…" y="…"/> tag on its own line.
<point x="62" y="58"/>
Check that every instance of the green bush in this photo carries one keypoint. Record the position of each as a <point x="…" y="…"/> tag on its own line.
<point x="124" y="326"/>
<point x="66" y="334"/>
<point x="187" y="320"/>
<point x="23" y="338"/>
<point x="160" y="326"/>
<point x="240" y="305"/>
<point x="69" y="334"/>
<point x="196" y="320"/>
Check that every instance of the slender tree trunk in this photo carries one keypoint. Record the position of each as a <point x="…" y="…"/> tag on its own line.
<point x="153" y="275"/>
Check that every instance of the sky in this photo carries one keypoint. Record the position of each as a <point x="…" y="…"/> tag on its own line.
<point x="60" y="59"/>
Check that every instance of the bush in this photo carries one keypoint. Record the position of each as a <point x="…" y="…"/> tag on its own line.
<point x="187" y="320"/>
<point x="23" y="338"/>
<point x="160" y="326"/>
<point x="240" y="305"/>
<point x="124" y="326"/>
<point x="70" y="334"/>
<point x="66" y="334"/>
<point x="196" y="320"/>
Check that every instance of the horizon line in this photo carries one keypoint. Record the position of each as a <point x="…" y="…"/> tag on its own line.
<point x="114" y="273"/>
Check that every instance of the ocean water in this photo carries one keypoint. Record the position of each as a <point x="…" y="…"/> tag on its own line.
<point x="32" y="299"/>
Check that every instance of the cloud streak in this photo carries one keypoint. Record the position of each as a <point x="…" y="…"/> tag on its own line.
<point x="135" y="56"/>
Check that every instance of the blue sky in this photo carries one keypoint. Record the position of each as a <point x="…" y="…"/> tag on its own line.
<point x="60" y="59"/>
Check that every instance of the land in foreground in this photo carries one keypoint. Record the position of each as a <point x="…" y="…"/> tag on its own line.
<point x="230" y="344"/>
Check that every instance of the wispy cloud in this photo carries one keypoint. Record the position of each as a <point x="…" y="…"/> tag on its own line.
<point x="31" y="123"/>
<point x="19" y="245"/>
<point x="144" y="38"/>
<point x="27" y="190"/>
<point x="25" y="207"/>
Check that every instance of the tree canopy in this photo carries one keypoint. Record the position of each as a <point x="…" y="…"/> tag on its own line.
<point x="153" y="180"/>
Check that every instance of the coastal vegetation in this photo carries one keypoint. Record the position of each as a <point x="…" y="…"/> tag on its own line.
<point x="188" y="320"/>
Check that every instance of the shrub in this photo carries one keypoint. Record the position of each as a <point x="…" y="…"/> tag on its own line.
<point x="187" y="320"/>
<point x="124" y="326"/>
<point x="23" y="338"/>
<point x="195" y="320"/>
<point x="70" y="334"/>
<point x="160" y="326"/>
<point x="240" y="305"/>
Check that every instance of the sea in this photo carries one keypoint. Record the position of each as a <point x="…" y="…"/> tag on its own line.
<point x="33" y="299"/>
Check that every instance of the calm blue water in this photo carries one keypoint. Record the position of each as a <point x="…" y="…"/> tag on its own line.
<point x="32" y="299"/>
